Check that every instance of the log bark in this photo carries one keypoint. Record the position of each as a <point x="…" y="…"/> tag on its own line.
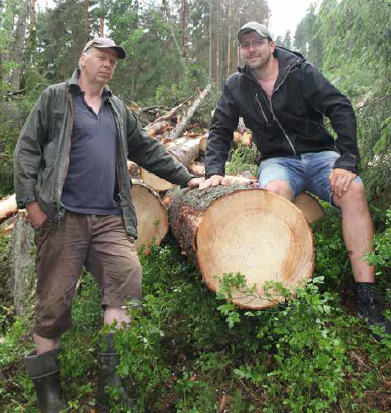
<point x="22" y="270"/>
<point x="180" y="127"/>
<point x="239" y="229"/>
<point x="152" y="222"/>
<point x="158" y="128"/>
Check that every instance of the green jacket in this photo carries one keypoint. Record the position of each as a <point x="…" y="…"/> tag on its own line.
<point x="41" y="156"/>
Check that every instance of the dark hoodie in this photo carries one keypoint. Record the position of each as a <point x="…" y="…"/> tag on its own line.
<point x="292" y="123"/>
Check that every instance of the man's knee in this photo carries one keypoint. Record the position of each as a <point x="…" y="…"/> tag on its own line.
<point x="280" y="187"/>
<point x="353" y="197"/>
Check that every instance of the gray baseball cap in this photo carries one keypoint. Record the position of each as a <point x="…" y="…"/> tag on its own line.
<point x="105" y="43"/>
<point x="249" y="27"/>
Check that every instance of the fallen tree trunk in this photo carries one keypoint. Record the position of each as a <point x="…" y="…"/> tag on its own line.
<point x="152" y="223"/>
<point x="180" y="127"/>
<point x="184" y="150"/>
<point x="239" y="229"/>
<point x="158" y="128"/>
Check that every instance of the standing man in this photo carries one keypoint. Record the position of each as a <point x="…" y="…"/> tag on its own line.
<point x="282" y="99"/>
<point x="71" y="176"/>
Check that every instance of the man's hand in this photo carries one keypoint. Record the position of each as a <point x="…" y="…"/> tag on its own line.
<point x="214" y="180"/>
<point x="36" y="216"/>
<point x="195" y="182"/>
<point x="340" y="180"/>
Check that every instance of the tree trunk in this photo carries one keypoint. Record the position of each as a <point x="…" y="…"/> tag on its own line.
<point x="86" y="22"/>
<point x="158" y="128"/>
<point x="1" y="76"/>
<point x="177" y="47"/>
<point x="17" y="55"/>
<point x="183" y="150"/>
<point x="23" y="272"/>
<point x="184" y="30"/>
<point x="210" y="39"/>
<point x="152" y="223"/>
<point x="237" y="229"/>
<point x="102" y="19"/>
<point x="180" y="127"/>
<point x="218" y="44"/>
<point x="32" y="30"/>
<point x="229" y="45"/>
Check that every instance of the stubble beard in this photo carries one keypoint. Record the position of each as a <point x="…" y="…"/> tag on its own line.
<point x="261" y="62"/>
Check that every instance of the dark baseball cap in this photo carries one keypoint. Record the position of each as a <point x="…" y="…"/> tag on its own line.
<point x="259" y="28"/>
<point x="105" y="43"/>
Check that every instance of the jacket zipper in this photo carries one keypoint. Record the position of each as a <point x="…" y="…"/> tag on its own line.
<point x="275" y="117"/>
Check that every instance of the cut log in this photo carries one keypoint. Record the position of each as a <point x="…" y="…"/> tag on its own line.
<point x="237" y="229"/>
<point x="184" y="150"/>
<point x="310" y="207"/>
<point x="152" y="222"/>
<point x="197" y="169"/>
<point x="203" y="142"/>
<point x="158" y="128"/>
<point x="7" y="207"/>
<point x="133" y="169"/>
<point x="180" y="127"/>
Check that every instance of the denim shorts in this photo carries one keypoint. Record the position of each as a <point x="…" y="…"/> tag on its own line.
<point x="306" y="172"/>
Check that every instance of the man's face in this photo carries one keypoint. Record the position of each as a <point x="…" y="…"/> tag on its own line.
<point x="255" y="50"/>
<point x="98" y="65"/>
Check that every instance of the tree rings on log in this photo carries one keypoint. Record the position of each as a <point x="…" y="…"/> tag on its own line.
<point x="236" y="229"/>
<point x="152" y="223"/>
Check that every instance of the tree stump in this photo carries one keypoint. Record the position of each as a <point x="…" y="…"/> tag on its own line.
<point x="241" y="229"/>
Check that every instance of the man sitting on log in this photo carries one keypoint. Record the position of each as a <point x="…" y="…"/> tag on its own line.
<point x="71" y="175"/>
<point x="282" y="99"/>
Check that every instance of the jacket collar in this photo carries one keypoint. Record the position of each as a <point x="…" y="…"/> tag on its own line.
<point x="73" y="84"/>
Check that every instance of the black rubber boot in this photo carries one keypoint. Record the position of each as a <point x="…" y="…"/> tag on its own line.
<point x="108" y="361"/>
<point x="44" y="370"/>
<point x="370" y="309"/>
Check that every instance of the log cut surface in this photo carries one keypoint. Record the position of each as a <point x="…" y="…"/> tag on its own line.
<point x="237" y="229"/>
<point x="152" y="223"/>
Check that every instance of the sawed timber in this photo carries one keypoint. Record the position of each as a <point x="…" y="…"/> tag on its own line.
<point x="241" y="229"/>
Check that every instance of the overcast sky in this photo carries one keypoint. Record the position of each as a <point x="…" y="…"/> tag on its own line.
<point x="286" y="15"/>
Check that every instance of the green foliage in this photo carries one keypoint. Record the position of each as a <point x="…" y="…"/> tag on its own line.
<point x="309" y="38"/>
<point x="12" y="117"/>
<point x="187" y="347"/>
<point x="380" y="257"/>
<point x="243" y="158"/>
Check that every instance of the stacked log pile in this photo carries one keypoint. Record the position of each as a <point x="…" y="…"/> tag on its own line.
<point x="235" y="228"/>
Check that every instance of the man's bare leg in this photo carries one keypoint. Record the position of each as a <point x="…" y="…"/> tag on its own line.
<point x="357" y="230"/>
<point x="45" y="344"/>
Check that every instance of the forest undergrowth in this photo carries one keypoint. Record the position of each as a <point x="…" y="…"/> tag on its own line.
<point x="192" y="351"/>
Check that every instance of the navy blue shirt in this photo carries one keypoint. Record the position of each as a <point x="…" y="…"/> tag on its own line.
<point x="91" y="183"/>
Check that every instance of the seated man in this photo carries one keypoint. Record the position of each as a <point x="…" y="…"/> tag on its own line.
<point x="282" y="99"/>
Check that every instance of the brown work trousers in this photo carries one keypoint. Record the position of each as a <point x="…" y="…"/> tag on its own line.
<point x="100" y="243"/>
